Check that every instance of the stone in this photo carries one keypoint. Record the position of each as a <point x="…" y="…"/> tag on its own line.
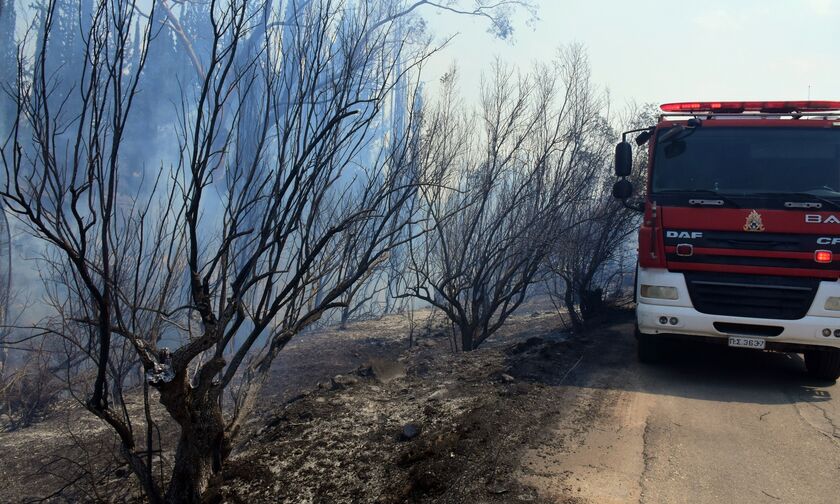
<point x="409" y="432"/>
<point x="439" y="394"/>
<point x="342" y="381"/>
<point x="506" y="378"/>
<point x="525" y="346"/>
<point x="497" y="487"/>
<point x="385" y="371"/>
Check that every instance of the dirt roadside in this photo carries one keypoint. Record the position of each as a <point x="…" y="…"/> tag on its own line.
<point x="710" y="425"/>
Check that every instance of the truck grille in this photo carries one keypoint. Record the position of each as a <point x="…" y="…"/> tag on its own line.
<point x="787" y="298"/>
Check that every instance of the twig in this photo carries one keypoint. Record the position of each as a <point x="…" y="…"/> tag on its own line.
<point x="571" y="369"/>
<point x="771" y="496"/>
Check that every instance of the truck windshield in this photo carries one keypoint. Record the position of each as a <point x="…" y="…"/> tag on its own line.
<point x="749" y="161"/>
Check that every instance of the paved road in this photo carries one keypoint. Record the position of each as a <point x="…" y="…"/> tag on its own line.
<point x="711" y="425"/>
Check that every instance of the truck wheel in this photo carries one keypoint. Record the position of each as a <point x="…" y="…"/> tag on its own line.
<point x="649" y="348"/>
<point x="823" y="364"/>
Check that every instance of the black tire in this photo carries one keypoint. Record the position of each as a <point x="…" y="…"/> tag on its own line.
<point x="649" y="347"/>
<point x="823" y="364"/>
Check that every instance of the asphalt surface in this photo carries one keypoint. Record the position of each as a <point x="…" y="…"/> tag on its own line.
<point x="712" y="424"/>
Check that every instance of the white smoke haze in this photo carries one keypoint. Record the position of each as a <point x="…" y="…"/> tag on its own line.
<point x="169" y="86"/>
<point x="194" y="184"/>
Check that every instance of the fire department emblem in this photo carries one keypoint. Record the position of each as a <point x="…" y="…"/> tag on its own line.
<point x="754" y="223"/>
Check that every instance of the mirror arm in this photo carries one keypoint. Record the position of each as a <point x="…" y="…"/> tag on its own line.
<point x="637" y="206"/>
<point x="624" y="135"/>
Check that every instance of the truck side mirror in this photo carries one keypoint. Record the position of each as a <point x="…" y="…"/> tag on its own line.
<point x="623" y="159"/>
<point x="643" y="137"/>
<point x="622" y="189"/>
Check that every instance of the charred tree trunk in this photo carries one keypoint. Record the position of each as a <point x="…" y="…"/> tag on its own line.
<point x="591" y="299"/>
<point x="591" y="302"/>
<point x="469" y="337"/>
<point x="198" y="459"/>
<point x="569" y="299"/>
<point x="203" y="445"/>
<point x="345" y="317"/>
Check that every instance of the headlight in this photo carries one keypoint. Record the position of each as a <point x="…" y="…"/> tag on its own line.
<point x="661" y="292"/>
<point x="832" y="303"/>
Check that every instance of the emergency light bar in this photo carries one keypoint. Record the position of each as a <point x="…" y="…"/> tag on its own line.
<point x="736" y="107"/>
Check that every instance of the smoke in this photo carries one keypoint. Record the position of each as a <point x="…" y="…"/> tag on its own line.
<point x="178" y="55"/>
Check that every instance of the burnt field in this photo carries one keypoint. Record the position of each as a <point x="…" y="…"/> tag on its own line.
<point x="349" y="415"/>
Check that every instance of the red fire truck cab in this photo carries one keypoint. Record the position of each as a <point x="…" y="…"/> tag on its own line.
<point x="740" y="239"/>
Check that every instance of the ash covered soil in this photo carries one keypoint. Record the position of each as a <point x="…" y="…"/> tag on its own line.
<point x="352" y="415"/>
<point x="424" y="425"/>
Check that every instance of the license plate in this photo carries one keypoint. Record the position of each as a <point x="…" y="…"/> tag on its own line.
<point x="742" y="342"/>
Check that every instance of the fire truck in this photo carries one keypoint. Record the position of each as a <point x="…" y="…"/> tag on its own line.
<point x="740" y="228"/>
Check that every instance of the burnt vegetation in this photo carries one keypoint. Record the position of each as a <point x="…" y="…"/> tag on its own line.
<point x="203" y="182"/>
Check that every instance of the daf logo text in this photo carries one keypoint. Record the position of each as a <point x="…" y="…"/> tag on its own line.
<point x="684" y="234"/>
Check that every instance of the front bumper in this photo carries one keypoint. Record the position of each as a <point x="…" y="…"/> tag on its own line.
<point x="807" y="331"/>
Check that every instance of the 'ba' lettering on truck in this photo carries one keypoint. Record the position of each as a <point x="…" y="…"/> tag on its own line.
<point x="739" y="242"/>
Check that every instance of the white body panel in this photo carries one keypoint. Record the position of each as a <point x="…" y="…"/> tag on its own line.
<point x="805" y="331"/>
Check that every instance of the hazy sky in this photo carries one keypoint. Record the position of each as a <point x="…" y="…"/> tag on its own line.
<point x="659" y="51"/>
